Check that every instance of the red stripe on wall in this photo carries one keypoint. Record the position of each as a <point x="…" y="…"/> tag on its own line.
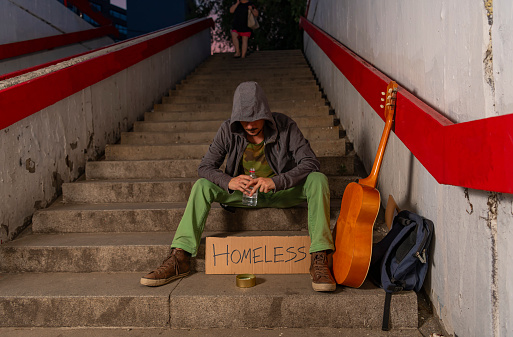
<point x="477" y="154"/>
<point x="31" y="46"/>
<point x="44" y="65"/>
<point x="24" y="99"/>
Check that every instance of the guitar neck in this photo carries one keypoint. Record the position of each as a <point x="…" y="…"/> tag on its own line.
<point x="372" y="179"/>
<point x="373" y="176"/>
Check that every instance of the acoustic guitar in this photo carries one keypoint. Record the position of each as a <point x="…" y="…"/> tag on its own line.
<point x="358" y="212"/>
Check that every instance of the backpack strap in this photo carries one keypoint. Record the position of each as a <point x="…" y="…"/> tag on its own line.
<point x="386" y="312"/>
<point x="385" y="326"/>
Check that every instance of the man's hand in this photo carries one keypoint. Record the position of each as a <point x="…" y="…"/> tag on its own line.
<point x="240" y="183"/>
<point x="243" y="183"/>
<point x="263" y="185"/>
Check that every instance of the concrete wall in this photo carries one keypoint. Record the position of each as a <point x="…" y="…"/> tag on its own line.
<point x="44" y="150"/>
<point x="456" y="56"/>
<point x="31" y="19"/>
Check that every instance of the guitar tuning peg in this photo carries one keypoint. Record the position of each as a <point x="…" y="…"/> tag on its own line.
<point x="381" y="106"/>
<point x="383" y="93"/>
<point x="382" y="100"/>
<point x="390" y="90"/>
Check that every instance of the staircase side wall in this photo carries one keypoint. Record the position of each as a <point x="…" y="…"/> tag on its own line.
<point x="456" y="56"/>
<point x="51" y="147"/>
<point x="23" y="20"/>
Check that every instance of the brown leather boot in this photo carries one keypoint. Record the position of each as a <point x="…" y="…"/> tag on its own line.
<point x="176" y="265"/>
<point x="322" y="280"/>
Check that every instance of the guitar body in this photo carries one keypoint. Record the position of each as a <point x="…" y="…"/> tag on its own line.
<point x="353" y="234"/>
<point x="358" y="212"/>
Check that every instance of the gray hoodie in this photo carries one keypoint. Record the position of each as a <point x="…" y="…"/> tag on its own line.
<point x="288" y="153"/>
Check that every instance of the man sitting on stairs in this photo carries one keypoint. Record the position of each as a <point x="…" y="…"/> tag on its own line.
<point x="288" y="174"/>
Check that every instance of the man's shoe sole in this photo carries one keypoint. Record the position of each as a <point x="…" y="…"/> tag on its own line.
<point x="160" y="282"/>
<point x="323" y="286"/>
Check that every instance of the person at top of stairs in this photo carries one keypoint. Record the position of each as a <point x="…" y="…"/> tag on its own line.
<point x="287" y="175"/>
<point x="240" y="25"/>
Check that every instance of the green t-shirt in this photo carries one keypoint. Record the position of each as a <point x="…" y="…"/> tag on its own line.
<point x="254" y="157"/>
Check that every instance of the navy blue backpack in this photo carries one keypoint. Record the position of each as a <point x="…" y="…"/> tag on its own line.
<point x="400" y="260"/>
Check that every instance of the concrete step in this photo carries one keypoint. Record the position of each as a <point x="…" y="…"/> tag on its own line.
<point x="176" y="116"/>
<point x="264" y="53"/>
<point x="318" y="105"/>
<point x="165" y="217"/>
<point x="163" y="122"/>
<point x="230" y="63"/>
<point x="152" y="190"/>
<point x="290" y="91"/>
<point x="254" y="57"/>
<point x="322" y="148"/>
<point x="194" y="109"/>
<point x="271" y="67"/>
<point x="142" y="169"/>
<point x="276" y="66"/>
<point x="181" y="168"/>
<point x="220" y="332"/>
<point x="260" y="56"/>
<point x="282" y="300"/>
<point x="266" y="84"/>
<point x="226" y="96"/>
<point x="257" y="57"/>
<point x="155" y="152"/>
<point x="191" y="137"/>
<point x="138" y="191"/>
<point x="251" y="72"/>
<point x="163" y="138"/>
<point x="106" y="252"/>
<point x="84" y="300"/>
<point x="84" y="252"/>
<point x="117" y="300"/>
<point x="262" y="80"/>
<point x="102" y="252"/>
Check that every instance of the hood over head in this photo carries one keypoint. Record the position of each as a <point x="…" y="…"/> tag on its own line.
<point x="249" y="104"/>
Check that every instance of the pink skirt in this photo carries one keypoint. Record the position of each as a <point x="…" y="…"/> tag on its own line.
<point x="248" y="34"/>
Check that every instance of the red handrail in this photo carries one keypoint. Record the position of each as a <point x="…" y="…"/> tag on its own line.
<point x="44" y="65"/>
<point x="14" y="49"/>
<point x="22" y="100"/>
<point x="477" y="154"/>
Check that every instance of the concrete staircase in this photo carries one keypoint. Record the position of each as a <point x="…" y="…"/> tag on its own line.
<point x="81" y="264"/>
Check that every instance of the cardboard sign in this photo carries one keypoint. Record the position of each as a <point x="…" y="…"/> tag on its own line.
<point x="257" y="255"/>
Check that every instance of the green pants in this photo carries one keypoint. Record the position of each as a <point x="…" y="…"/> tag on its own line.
<point x="314" y="190"/>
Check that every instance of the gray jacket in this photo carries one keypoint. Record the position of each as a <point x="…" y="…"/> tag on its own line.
<point x="288" y="153"/>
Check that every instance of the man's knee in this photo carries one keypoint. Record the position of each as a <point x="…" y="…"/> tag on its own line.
<point x="317" y="180"/>
<point x="203" y="186"/>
